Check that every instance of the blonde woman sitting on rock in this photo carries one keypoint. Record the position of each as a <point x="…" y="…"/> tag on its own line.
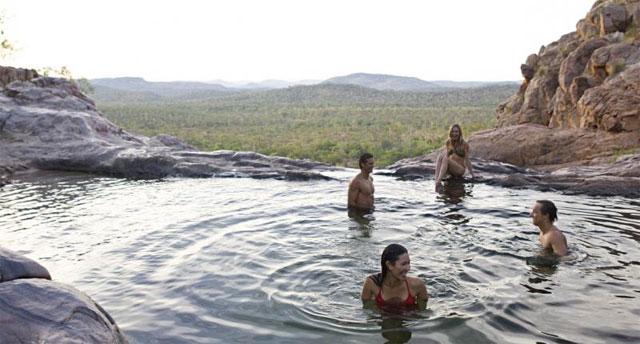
<point x="456" y="160"/>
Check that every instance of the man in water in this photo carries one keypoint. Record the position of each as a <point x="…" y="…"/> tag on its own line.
<point x="361" y="187"/>
<point x="544" y="213"/>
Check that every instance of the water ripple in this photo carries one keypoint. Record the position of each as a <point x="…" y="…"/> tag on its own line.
<point x="242" y="260"/>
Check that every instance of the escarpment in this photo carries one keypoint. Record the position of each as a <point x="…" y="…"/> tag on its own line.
<point x="574" y="124"/>
<point x="585" y="86"/>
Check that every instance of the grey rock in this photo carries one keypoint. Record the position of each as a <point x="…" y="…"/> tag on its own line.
<point x="621" y="178"/>
<point x="43" y="311"/>
<point x="34" y="309"/>
<point x="14" y="266"/>
<point x="47" y="123"/>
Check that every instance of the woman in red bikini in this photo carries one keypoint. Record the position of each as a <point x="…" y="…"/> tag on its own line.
<point x="392" y="287"/>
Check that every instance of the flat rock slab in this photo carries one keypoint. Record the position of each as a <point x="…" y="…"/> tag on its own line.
<point x="621" y="178"/>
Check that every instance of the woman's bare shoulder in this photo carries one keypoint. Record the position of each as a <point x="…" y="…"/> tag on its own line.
<point x="415" y="282"/>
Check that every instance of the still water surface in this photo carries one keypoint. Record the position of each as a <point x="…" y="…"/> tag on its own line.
<point x="244" y="260"/>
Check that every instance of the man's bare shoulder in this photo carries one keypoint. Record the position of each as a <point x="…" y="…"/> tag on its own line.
<point x="557" y="236"/>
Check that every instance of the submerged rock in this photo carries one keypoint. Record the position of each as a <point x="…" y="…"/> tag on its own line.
<point x="47" y="123"/>
<point x="35" y="309"/>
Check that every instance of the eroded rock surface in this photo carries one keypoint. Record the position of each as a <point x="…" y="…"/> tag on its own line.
<point x="579" y="105"/>
<point x="47" y="123"/>
<point x="34" y="309"/>
<point x="587" y="79"/>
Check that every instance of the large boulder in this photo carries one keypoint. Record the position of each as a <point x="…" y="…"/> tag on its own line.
<point x="38" y="310"/>
<point x="533" y="145"/>
<point x="14" y="266"/>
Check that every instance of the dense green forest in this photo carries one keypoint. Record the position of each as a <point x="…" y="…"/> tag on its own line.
<point x="330" y="123"/>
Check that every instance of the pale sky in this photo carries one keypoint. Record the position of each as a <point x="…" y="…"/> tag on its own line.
<point x="464" y="40"/>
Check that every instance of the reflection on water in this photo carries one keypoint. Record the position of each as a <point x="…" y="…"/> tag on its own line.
<point x="394" y="330"/>
<point x="454" y="190"/>
<point x="362" y="218"/>
<point x="243" y="260"/>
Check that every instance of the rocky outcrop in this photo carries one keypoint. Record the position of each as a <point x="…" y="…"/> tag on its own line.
<point x="586" y="80"/>
<point x="619" y="178"/>
<point x="48" y="123"/>
<point x="34" y="309"/>
<point x="10" y="74"/>
<point x="579" y="103"/>
<point x="534" y="145"/>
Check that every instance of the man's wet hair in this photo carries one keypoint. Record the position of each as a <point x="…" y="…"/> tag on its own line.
<point x="363" y="158"/>
<point x="549" y="209"/>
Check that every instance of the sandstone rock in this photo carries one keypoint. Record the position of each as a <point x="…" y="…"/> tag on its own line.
<point x="613" y="17"/>
<point x="614" y="106"/>
<point x="579" y="86"/>
<point x="542" y="147"/>
<point x="536" y="107"/>
<point x="506" y="109"/>
<point x="577" y="60"/>
<point x="533" y="103"/>
<point x="587" y="29"/>
<point x="633" y="7"/>
<point x="527" y="71"/>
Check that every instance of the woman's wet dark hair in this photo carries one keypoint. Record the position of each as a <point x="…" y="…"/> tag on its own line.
<point x="549" y="209"/>
<point x="390" y="254"/>
<point x="363" y="158"/>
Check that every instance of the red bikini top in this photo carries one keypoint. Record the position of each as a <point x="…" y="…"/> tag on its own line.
<point x="409" y="301"/>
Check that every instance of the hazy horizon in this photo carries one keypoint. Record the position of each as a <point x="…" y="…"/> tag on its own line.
<point x="253" y="41"/>
<point x="244" y="82"/>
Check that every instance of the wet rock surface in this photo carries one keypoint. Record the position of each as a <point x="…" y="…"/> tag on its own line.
<point x="620" y="178"/>
<point x="47" y="123"/>
<point x="34" y="309"/>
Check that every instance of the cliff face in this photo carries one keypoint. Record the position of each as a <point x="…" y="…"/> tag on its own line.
<point x="588" y="79"/>
<point x="585" y="86"/>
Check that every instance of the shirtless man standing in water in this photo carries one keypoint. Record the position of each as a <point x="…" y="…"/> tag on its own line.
<point x="361" y="187"/>
<point x="544" y="213"/>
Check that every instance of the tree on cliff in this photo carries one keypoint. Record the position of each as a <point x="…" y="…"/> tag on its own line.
<point x="6" y="48"/>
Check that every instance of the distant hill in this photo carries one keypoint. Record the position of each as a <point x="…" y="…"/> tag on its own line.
<point x="338" y="94"/>
<point x="383" y="82"/>
<point x="469" y="84"/>
<point x="265" y="84"/>
<point x="108" y="94"/>
<point x="138" y="89"/>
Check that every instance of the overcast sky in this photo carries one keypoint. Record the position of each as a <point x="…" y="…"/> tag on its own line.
<point x="251" y="40"/>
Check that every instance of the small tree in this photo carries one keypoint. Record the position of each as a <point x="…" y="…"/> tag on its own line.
<point x="6" y="48"/>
